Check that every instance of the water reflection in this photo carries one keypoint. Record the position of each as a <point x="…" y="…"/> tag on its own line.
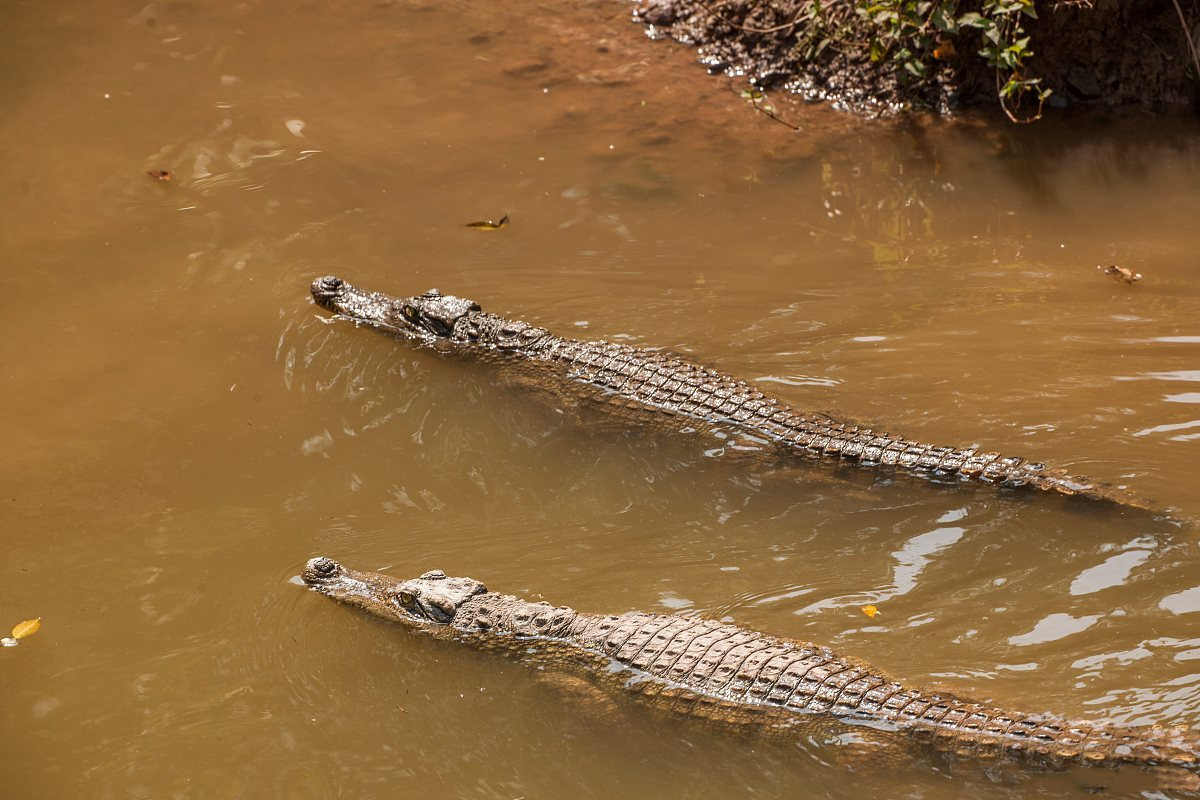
<point x="1114" y="571"/>
<point x="1184" y="602"/>
<point x="911" y="559"/>
<point x="1054" y="627"/>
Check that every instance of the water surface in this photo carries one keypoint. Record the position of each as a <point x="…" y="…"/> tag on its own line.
<point x="184" y="428"/>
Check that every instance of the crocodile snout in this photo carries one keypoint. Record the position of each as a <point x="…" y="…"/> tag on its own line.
<point x="326" y="289"/>
<point x="319" y="569"/>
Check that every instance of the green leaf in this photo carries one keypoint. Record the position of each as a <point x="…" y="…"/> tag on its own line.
<point x="943" y="23"/>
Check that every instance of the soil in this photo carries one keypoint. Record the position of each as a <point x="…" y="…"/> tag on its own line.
<point x="1106" y="53"/>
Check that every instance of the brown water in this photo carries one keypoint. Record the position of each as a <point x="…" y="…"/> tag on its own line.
<point x="183" y="428"/>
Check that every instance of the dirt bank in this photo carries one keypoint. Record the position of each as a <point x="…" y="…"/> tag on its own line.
<point x="886" y="54"/>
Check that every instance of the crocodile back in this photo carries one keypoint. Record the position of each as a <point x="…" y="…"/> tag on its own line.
<point x="684" y="394"/>
<point x="718" y="671"/>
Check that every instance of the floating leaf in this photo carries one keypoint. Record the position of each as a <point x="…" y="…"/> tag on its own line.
<point x="1121" y="273"/>
<point x="488" y="225"/>
<point x="164" y="175"/>
<point x="26" y="628"/>
<point x="870" y="611"/>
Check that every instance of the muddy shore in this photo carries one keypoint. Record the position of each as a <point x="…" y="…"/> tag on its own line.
<point x="1106" y="53"/>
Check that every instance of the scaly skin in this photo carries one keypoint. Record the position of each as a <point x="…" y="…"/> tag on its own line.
<point x="674" y="393"/>
<point x="738" y="678"/>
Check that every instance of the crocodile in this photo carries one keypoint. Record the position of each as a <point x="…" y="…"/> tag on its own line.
<point x="678" y="394"/>
<point x="744" y="680"/>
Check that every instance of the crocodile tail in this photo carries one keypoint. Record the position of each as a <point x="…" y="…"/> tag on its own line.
<point x="1015" y="471"/>
<point x="1059" y="481"/>
<point x="1169" y="750"/>
<point x="961" y="726"/>
<point x="1166" y="749"/>
<point x="821" y="436"/>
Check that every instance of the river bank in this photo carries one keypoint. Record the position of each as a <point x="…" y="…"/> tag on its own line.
<point x="1027" y="55"/>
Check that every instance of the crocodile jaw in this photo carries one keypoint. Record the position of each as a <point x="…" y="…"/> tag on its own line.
<point x="431" y="599"/>
<point x="372" y="308"/>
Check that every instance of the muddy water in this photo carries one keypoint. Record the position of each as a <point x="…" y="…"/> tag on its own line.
<point x="183" y="428"/>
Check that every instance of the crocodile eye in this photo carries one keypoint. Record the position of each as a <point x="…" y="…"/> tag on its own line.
<point x="410" y="313"/>
<point x="407" y="598"/>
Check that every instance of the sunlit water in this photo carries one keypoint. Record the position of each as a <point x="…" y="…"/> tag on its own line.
<point x="183" y="428"/>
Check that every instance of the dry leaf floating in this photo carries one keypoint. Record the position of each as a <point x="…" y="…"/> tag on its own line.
<point x="870" y="611"/>
<point x="488" y="225"/>
<point x="164" y="175"/>
<point x="1120" y="273"/>
<point x="26" y="628"/>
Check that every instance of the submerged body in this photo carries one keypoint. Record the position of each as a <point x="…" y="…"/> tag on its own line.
<point x="672" y="393"/>
<point x="738" y="678"/>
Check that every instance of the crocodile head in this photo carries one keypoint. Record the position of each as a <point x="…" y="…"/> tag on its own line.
<point x="432" y="599"/>
<point x="432" y="315"/>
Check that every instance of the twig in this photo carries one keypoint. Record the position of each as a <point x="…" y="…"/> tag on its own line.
<point x="755" y="95"/>
<point x="1013" y="117"/>
<point x="1187" y="35"/>
<point x="780" y="120"/>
